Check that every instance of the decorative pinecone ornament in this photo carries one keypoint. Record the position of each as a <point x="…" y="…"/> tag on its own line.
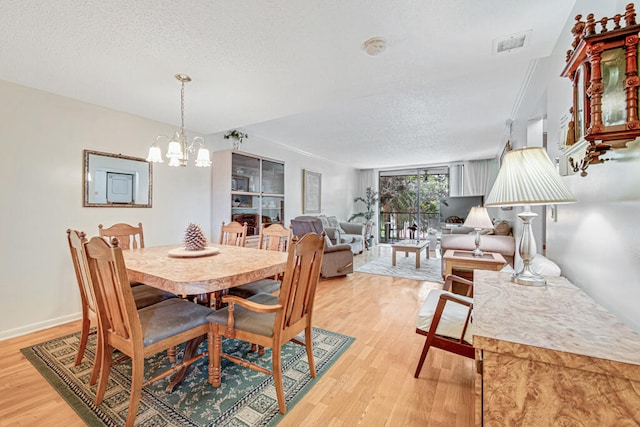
<point x="194" y="239"/>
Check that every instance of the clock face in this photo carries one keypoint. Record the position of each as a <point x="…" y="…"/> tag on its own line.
<point x="613" y="66"/>
<point x="579" y="104"/>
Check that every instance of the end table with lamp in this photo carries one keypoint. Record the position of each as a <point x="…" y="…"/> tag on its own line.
<point x="478" y="219"/>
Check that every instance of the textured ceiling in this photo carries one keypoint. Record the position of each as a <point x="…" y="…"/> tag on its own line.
<point x="291" y="71"/>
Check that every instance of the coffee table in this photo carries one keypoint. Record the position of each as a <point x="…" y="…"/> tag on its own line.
<point x="464" y="260"/>
<point x="407" y="246"/>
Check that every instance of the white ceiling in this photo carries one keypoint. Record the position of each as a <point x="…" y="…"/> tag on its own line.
<point x="293" y="71"/>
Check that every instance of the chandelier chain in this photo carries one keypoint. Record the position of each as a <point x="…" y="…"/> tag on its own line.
<point x="182" y="108"/>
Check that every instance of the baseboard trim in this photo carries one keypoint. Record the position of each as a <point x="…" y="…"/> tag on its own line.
<point x="35" y="327"/>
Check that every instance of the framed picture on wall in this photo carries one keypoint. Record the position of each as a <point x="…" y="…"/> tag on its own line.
<point x="311" y="191"/>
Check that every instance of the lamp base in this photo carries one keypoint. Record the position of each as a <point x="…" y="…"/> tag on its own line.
<point x="527" y="252"/>
<point x="528" y="278"/>
<point x="477" y="252"/>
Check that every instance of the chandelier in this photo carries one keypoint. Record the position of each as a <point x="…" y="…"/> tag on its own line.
<point x="178" y="151"/>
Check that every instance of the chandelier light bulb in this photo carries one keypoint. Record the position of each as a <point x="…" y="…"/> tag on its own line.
<point x="155" y="155"/>
<point x="203" y="159"/>
<point x="178" y="151"/>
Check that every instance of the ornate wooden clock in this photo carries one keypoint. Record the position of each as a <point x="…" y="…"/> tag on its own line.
<point x="603" y="66"/>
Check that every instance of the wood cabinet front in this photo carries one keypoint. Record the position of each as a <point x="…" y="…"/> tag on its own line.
<point x="551" y="356"/>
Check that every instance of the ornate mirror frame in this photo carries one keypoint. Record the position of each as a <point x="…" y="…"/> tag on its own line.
<point x="116" y="181"/>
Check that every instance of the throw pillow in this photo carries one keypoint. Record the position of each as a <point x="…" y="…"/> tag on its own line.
<point x="324" y="220"/>
<point x="454" y="220"/>
<point x="502" y="229"/>
<point x="334" y="223"/>
<point x="539" y="264"/>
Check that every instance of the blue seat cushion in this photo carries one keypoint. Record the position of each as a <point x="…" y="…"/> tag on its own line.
<point x="170" y="317"/>
<point x="246" y="320"/>
<point x="146" y="295"/>
<point x="267" y="286"/>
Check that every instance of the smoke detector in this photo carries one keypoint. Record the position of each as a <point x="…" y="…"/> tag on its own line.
<point x="511" y="43"/>
<point x="375" y="46"/>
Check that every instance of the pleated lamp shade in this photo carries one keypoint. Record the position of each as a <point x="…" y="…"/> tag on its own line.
<point x="527" y="177"/>
<point x="478" y="218"/>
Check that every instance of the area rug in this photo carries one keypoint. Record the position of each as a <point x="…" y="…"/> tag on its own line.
<point x="405" y="267"/>
<point x="245" y="398"/>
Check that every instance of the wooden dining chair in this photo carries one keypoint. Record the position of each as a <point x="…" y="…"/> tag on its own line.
<point x="136" y="333"/>
<point x="75" y="240"/>
<point x="445" y="319"/>
<point x="269" y="320"/>
<point x="233" y="234"/>
<point x="129" y="236"/>
<point x="132" y="237"/>
<point x="143" y="295"/>
<point x="275" y="237"/>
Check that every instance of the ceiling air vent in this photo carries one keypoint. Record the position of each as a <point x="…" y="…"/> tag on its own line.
<point x="511" y="43"/>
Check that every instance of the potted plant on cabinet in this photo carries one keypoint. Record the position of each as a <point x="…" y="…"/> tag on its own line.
<point x="370" y="200"/>
<point x="237" y="137"/>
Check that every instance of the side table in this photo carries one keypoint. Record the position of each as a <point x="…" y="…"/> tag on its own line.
<point x="464" y="260"/>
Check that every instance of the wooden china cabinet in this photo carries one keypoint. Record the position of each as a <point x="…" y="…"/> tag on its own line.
<point x="247" y="188"/>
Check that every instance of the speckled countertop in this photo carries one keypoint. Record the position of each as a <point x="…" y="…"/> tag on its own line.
<point x="557" y="324"/>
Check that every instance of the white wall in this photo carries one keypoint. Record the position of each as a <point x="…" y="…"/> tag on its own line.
<point x="595" y="241"/>
<point x="338" y="182"/>
<point x="43" y="137"/>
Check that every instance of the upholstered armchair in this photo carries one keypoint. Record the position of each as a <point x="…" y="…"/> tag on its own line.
<point x="337" y="259"/>
<point x="344" y="233"/>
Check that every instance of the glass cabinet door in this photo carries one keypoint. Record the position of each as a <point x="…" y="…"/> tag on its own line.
<point x="272" y="210"/>
<point x="245" y="174"/>
<point x="257" y="192"/>
<point x="272" y="177"/>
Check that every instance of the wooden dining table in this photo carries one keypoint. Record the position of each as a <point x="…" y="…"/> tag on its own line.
<point x="232" y="266"/>
<point x="202" y="276"/>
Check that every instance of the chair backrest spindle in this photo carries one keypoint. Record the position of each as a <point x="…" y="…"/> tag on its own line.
<point x="233" y="234"/>
<point x="76" y="239"/>
<point x="275" y="237"/>
<point x="129" y="236"/>
<point x="116" y="304"/>
<point x="298" y="287"/>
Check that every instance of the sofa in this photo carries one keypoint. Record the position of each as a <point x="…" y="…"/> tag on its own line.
<point x="504" y="245"/>
<point x="337" y="260"/>
<point x="499" y="240"/>
<point x="344" y="233"/>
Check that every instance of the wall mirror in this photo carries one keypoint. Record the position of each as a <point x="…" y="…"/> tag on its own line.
<point x="114" y="180"/>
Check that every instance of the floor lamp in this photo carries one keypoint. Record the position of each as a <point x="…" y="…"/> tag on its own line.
<point x="527" y="177"/>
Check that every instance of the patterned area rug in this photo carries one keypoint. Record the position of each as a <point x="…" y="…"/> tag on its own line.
<point x="245" y="398"/>
<point x="405" y="267"/>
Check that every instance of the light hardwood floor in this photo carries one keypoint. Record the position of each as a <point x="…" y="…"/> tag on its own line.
<point x="371" y="384"/>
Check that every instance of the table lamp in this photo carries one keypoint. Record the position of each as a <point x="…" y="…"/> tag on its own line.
<point x="478" y="219"/>
<point x="527" y="177"/>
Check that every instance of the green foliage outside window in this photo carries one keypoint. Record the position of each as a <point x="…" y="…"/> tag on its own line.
<point x="399" y="195"/>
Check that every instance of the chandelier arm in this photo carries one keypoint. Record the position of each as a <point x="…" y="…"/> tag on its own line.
<point x="179" y="150"/>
